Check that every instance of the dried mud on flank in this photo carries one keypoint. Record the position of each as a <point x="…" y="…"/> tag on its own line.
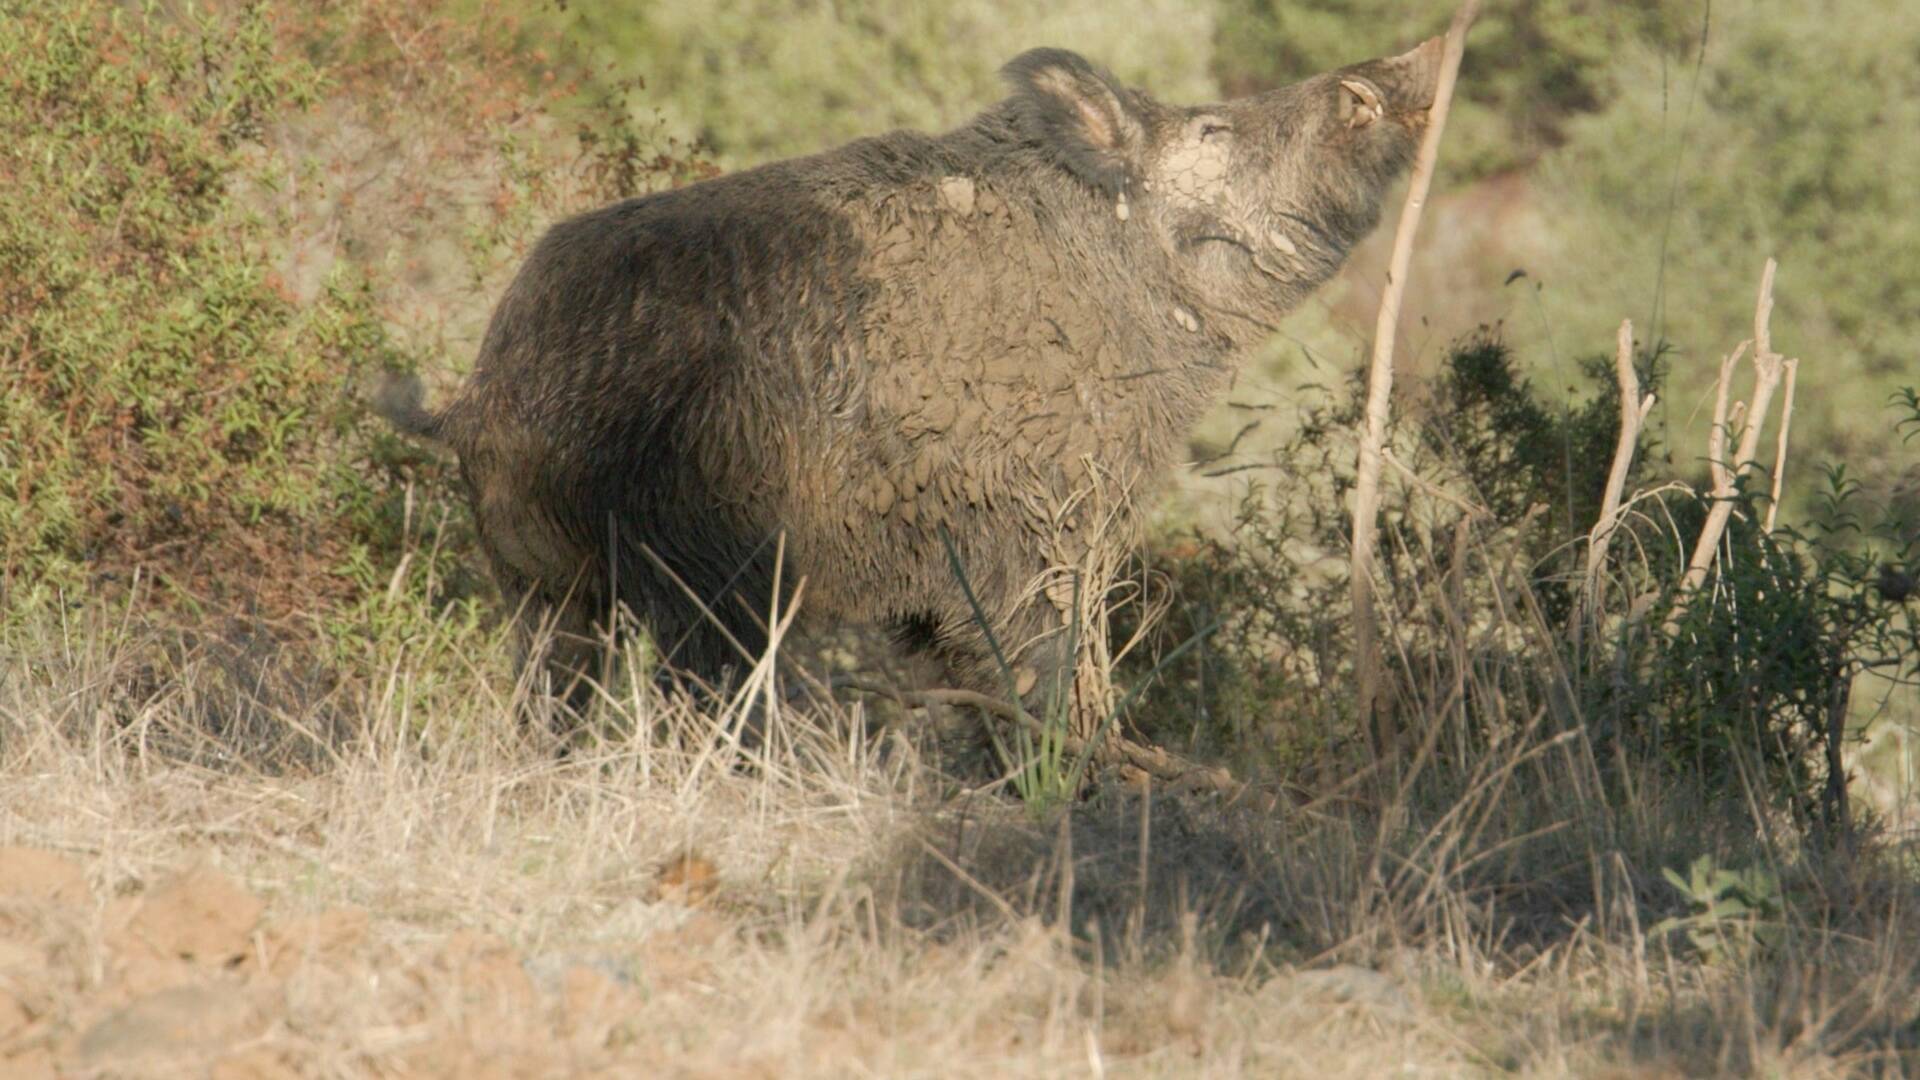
<point x="193" y="976"/>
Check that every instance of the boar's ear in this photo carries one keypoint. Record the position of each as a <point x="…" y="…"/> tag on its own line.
<point x="1089" y="123"/>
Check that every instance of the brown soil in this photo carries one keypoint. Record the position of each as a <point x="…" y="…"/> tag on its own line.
<point x="194" y="977"/>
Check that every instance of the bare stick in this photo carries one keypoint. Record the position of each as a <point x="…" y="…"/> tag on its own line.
<point x="1717" y="435"/>
<point x="1768" y="367"/>
<point x="1780" y="447"/>
<point x="1366" y="495"/>
<point x="1763" y="316"/>
<point x="1633" y="413"/>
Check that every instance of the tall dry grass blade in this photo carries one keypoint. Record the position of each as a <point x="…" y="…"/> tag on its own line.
<point x="1366" y="498"/>
<point x="1063" y="851"/>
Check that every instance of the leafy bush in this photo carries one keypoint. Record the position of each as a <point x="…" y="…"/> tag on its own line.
<point x="1277" y="579"/>
<point x="1791" y="133"/>
<point x="1799" y="141"/>
<point x="169" y="404"/>
<point x="1756" y="682"/>
<point x="214" y="230"/>
<point x="1732" y="912"/>
<point x="1749" y="688"/>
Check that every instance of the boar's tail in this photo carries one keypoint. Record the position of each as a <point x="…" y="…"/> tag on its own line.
<point x="399" y="397"/>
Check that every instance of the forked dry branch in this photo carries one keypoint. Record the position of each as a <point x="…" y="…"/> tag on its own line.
<point x="1633" y="414"/>
<point x="1769" y="368"/>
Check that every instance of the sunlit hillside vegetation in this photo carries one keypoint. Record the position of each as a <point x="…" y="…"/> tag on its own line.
<point x="268" y="803"/>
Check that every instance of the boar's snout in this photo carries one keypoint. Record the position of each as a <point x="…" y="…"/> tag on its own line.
<point x="1415" y="75"/>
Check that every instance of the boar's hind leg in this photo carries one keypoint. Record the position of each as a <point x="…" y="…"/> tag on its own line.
<point x="690" y="645"/>
<point x="561" y="647"/>
<point x="704" y="604"/>
<point x="568" y="638"/>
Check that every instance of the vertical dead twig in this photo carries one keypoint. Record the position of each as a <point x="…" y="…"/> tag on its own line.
<point x="1717" y="434"/>
<point x="1780" y="446"/>
<point x="1366" y="497"/>
<point x="1633" y="413"/>
<point x="1768" y="367"/>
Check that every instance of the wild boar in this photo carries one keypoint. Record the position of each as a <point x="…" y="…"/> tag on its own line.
<point x="844" y="363"/>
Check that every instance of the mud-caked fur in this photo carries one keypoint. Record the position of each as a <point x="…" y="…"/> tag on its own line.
<point x="833" y="359"/>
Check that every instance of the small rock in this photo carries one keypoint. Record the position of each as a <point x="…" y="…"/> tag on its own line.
<point x="1343" y="985"/>
<point x="688" y="879"/>
<point x="41" y="876"/>
<point x="185" y="1022"/>
<point x="201" y="917"/>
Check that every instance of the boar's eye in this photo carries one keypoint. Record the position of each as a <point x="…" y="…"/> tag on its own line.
<point x="1211" y="128"/>
<point x="1360" y="103"/>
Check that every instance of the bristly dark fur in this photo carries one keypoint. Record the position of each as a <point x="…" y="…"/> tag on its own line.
<point x="849" y="361"/>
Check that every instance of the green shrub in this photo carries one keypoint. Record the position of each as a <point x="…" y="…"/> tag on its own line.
<point x="1749" y="690"/>
<point x="1799" y="144"/>
<point x="1755" y="685"/>
<point x="168" y="404"/>
<point x="214" y="231"/>
<point x="1277" y="579"/>
<point x="1797" y="141"/>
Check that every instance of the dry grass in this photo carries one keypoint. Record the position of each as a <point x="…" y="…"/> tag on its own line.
<point x="284" y="878"/>
<point x="218" y="857"/>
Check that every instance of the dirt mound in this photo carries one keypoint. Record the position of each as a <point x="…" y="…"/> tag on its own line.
<point x="193" y="976"/>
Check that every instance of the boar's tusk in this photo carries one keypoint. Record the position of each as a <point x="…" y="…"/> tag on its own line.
<point x="1370" y="107"/>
